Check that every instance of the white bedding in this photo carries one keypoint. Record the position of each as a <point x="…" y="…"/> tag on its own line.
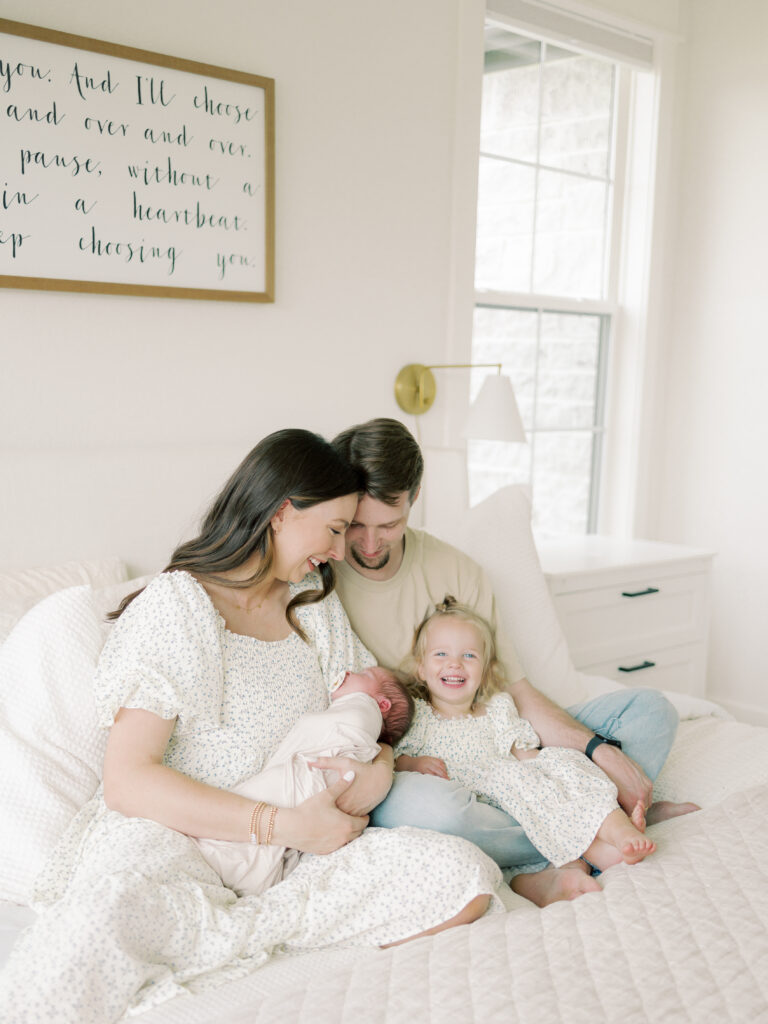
<point x="681" y="937"/>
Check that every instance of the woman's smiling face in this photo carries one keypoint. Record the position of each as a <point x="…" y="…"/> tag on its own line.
<point x="453" y="664"/>
<point x="305" y="537"/>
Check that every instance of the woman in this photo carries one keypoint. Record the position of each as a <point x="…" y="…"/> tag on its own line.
<point x="204" y="673"/>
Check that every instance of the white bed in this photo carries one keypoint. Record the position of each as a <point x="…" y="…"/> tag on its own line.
<point x="682" y="936"/>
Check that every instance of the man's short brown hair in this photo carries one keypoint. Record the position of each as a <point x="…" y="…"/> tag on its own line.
<point x="386" y="456"/>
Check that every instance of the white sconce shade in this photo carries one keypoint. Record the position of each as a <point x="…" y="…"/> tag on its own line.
<point x="494" y="416"/>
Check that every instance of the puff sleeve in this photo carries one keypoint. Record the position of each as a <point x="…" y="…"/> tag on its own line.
<point x="164" y="655"/>
<point x="509" y="728"/>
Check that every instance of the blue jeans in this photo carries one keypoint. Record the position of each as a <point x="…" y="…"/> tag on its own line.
<point x="643" y="720"/>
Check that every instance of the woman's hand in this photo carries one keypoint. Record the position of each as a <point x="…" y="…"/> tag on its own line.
<point x="423" y="765"/>
<point x="371" y="784"/>
<point x="318" y="825"/>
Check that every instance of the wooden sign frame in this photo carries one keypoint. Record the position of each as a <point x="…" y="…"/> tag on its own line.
<point x="114" y="178"/>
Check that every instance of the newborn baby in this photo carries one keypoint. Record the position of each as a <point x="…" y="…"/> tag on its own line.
<point x="365" y="707"/>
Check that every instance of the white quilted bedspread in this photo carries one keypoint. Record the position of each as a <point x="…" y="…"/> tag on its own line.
<point x="681" y="937"/>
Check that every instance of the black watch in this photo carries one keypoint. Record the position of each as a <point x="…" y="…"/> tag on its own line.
<point x="595" y="742"/>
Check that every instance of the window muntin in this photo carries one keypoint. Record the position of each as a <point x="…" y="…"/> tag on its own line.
<point x="545" y="202"/>
<point x="556" y="363"/>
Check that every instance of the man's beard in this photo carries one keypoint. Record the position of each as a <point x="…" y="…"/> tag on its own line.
<point x="366" y="565"/>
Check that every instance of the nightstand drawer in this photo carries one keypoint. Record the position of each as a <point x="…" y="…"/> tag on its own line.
<point x="675" y="668"/>
<point x="633" y="605"/>
<point x="644" y="611"/>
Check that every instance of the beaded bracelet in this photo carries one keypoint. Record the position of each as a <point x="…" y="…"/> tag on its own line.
<point x="271" y="825"/>
<point x="253" y="828"/>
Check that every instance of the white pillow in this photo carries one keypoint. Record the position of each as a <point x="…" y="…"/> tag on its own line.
<point x="22" y="589"/>
<point x="106" y="599"/>
<point x="497" y="534"/>
<point x="51" y="748"/>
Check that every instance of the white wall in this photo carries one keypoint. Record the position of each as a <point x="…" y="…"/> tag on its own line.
<point x="703" y="424"/>
<point x="710" y="486"/>
<point x="119" y="417"/>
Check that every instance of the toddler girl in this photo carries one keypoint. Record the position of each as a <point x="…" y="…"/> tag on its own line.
<point x="464" y="728"/>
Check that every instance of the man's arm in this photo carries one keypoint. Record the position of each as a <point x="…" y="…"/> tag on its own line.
<point x="553" y="724"/>
<point x="556" y="728"/>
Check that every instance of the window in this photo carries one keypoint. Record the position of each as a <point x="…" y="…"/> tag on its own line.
<point x="545" y="274"/>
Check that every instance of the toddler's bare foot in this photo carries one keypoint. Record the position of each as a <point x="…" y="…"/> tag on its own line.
<point x="554" y="884"/>
<point x="664" y="809"/>
<point x="637" y="817"/>
<point x="635" y="850"/>
<point x="602" y="854"/>
<point x="618" y="839"/>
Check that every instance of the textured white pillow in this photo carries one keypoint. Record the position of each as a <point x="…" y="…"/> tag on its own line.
<point x="51" y="748"/>
<point x="22" y="589"/>
<point x="497" y="534"/>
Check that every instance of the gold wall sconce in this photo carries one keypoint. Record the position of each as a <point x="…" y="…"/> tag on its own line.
<point x="493" y="416"/>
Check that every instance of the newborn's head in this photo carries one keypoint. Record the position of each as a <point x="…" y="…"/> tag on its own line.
<point x="394" y="700"/>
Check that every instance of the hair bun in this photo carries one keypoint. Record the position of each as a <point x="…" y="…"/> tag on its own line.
<point x="448" y="602"/>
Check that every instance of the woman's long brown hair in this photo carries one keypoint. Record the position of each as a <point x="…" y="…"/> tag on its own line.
<point x="296" y="465"/>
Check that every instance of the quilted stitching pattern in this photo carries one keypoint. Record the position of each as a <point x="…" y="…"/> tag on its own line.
<point x="712" y="759"/>
<point x="682" y="937"/>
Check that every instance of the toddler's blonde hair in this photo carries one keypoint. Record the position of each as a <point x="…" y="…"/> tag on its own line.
<point x="493" y="679"/>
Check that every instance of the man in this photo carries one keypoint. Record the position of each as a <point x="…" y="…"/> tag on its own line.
<point x="390" y="576"/>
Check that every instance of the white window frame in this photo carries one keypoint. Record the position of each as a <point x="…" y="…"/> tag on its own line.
<point x="633" y="377"/>
<point x="528" y="303"/>
<point x="606" y="308"/>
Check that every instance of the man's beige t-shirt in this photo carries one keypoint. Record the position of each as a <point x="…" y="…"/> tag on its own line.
<point x="385" y="613"/>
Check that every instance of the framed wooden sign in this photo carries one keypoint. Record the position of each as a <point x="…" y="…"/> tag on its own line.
<point x="132" y="173"/>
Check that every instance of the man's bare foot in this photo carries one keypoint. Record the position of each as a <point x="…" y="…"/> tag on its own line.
<point x="635" y="850"/>
<point x="581" y="864"/>
<point x="664" y="809"/>
<point x="554" y="884"/>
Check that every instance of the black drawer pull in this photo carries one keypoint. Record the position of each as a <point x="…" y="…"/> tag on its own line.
<point x="640" y="593"/>
<point x="637" y="668"/>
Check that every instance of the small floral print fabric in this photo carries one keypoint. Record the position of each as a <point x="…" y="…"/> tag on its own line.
<point x="559" y="797"/>
<point x="131" y="914"/>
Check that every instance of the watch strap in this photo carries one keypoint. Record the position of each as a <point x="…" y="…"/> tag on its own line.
<point x="596" y="741"/>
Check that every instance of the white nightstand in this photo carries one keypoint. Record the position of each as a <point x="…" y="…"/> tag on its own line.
<point x="633" y="610"/>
